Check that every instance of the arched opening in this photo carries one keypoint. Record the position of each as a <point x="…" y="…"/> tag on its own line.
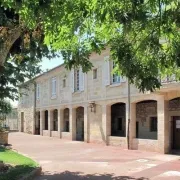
<point x="174" y="110"/>
<point x="118" y="119"/>
<point x="37" y="123"/>
<point x="80" y="124"/>
<point x="46" y="120"/>
<point x="55" y="120"/>
<point x="66" y="120"/>
<point x="146" y="119"/>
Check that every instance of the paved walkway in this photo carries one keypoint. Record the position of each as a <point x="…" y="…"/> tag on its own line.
<point x="72" y="160"/>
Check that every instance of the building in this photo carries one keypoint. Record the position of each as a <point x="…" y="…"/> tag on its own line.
<point x="12" y="120"/>
<point x="93" y="107"/>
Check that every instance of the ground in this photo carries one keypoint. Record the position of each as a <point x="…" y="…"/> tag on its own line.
<point x="72" y="160"/>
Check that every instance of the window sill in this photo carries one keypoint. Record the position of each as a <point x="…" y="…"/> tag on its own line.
<point x="53" y="97"/>
<point x="115" y="84"/>
<point x="77" y="92"/>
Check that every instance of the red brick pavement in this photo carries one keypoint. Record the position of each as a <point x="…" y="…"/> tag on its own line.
<point x="72" y="160"/>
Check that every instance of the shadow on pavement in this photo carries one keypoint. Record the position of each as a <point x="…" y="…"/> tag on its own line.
<point x="67" y="175"/>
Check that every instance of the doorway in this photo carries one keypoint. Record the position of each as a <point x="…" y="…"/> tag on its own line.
<point x="80" y="124"/>
<point x="37" y="125"/>
<point x="22" y="121"/>
<point x="176" y="132"/>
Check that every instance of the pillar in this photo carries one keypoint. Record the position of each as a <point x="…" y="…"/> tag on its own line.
<point x="86" y="124"/>
<point x="163" y="125"/>
<point x="106" y="122"/>
<point x="60" y="121"/>
<point x="50" y="121"/>
<point x="72" y="121"/>
<point x="42" y="124"/>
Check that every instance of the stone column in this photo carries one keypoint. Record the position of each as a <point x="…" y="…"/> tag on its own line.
<point x="72" y="121"/>
<point x="50" y="121"/>
<point x="163" y="125"/>
<point x="86" y="124"/>
<point x="42" y="119"/>
<point x="106" y="122"/>
<point x="132" y="125"/>
<point x="60" y="121"/>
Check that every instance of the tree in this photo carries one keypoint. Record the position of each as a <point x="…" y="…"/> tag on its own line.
<point x="21" y="50"/>
<point x="132" y="29"/>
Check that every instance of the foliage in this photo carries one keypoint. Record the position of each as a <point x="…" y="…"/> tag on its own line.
<point x="22" y="165"/>
<point x="132" y="29"/>
<point x="22" y="48"/>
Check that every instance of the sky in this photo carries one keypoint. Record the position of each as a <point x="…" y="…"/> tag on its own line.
<point x="46" y="64"/>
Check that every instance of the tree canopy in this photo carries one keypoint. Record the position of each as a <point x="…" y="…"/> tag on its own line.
<point x="133" y="30"/>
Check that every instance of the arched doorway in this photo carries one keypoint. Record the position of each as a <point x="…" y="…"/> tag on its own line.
<point x="80" y="124"/>
<point x="55" y="120"/>
<point x="46" y="120"/>
<point x="174" y="109"/>
<point x="118" y="119"/>
<point x="146" y="120"/>
<point x="66" y="120"/>
<point x="37" y="124"/>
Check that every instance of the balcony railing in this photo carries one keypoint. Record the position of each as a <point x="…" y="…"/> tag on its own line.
<point x="168" y="79"/>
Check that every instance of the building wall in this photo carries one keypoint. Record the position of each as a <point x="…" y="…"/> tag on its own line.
<point x="144" y="111"/>
<point x="27" y="105"/>
<point x="104" y="93"/>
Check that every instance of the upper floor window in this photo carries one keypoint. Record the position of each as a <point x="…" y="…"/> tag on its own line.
<point x="94" y="73"/>
<point x="76" y="80"/>
<point x="115" y="77"/>
<point x="108" y="76"/>
<point x="38" y="91"/>
<point x="53" y="86"/>
<point x="64" y="83"/>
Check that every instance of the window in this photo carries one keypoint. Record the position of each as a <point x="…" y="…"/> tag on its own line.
<point x="153" y="124"/>
<point x="76" y="80"/>
<point x="115" y="76"/>
<point x="94" y="73"/>
<point x="64" y="83"/>
<point x="37" y="91"/>
<point x="53" y="92"/>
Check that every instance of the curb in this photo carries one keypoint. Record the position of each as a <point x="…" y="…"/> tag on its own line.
<point x="32" y="174"/>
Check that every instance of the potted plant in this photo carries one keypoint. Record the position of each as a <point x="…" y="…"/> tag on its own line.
<point x="5" y="108"/>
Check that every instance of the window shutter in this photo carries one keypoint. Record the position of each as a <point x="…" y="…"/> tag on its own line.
<point x="52" y="87"/>
<point x="106" y="71"/>
<point x="81" y="80"/>
<point x="72" y="80"/>
<point x="37" y="91"/>
<point x="55" y="86"/>
<point x="123" y="79"/>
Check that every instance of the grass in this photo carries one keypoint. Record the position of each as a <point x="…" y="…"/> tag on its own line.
<point x="22" y="165"/>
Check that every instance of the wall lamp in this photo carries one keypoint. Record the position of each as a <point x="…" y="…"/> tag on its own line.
<point x="92" y="106"/>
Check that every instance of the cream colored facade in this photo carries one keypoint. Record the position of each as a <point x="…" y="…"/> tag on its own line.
<point x="95" y="109"/>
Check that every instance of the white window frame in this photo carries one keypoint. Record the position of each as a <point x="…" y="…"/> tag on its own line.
<point x="37" y="91"/>
<point x="115" y="78"/>
<point x="53" y="87"/>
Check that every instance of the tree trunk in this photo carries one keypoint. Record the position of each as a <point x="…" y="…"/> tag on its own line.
<point x="13" y="35"/>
